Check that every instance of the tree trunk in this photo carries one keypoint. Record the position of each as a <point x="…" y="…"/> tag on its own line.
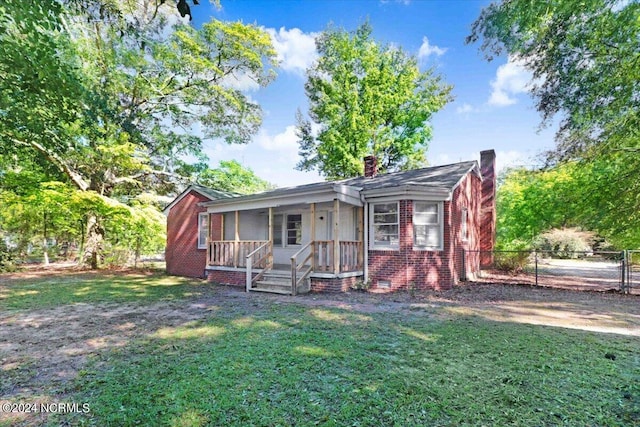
<point x="93" y="242"/>
<point x="45" y="249"/>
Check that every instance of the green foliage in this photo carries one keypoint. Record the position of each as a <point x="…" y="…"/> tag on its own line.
<point x="584" y="57"/>
<point x="513" y="261"/>
<point x="565" y="242"/>
<point x="231" y="176"/>
<point x="6" y="258"/>
<point x="367" y="99"/>
<point x="55" y="211"/>
<point x="531" y="202"/>
<point x="94" y="99"/>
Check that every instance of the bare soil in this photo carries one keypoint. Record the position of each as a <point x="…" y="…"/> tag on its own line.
<point x="43" y="350"/>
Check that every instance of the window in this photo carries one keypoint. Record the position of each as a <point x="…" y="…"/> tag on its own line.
<point x="427" y="230"/>
<point x="294" y="229"/>
<point x="464" y="228"/>
<point x="203" y="229"/>
<point x="384" y="220"/>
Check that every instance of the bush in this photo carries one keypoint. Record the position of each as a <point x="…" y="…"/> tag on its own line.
<point x="565" y="242"/>
<point x="7" y="264"/>
<point x="511" y="262"/>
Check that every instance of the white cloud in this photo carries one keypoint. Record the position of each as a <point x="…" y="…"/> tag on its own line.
<point x="242" y="82"/>
<point x="296" y="50"/>
<point x="511" y="158"/>
<point x="511" y="79"/>
<point x="427" y="50"/>
<point x="285" y="142"/>
<point x="465" y="109"/>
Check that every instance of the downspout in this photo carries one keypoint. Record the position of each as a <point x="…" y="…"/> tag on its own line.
<point x="365" y="231"/>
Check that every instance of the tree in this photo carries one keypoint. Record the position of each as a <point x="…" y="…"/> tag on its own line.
<point x="231" y="176"/>
<point x="108" y="92"/>
<point x="367" y="99"/>
<point x="531" y="202"/>
<point x="572" y="194"/>
<point x="586" y="67"/>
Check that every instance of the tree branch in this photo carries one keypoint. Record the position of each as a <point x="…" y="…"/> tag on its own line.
<point x="56" y="160"/>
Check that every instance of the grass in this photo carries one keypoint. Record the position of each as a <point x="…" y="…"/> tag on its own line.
<point x="262" y="362"/>
<point x="95" y="287"/>
<point x="285" y="365"/>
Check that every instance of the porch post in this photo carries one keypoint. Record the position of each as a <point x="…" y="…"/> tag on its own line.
<point x="360" y="236"/>
<point x="336" y="236"/>
<point x="270" y="260"/>
<point x="236" y="243"/>
<point x="221" y="226"/>
<point x="313" y="236"/>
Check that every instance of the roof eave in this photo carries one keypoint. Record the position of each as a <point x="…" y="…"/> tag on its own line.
<point x="408" y="191"/>
<point x="328" y="192"/>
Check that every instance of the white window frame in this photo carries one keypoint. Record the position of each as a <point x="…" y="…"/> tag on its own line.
<point x="201" y="244"/>
<point x="280" y="220"/>
<point x="285" y="229"/>
<point x="372" y="223"/>
<point x="439" y="225"/>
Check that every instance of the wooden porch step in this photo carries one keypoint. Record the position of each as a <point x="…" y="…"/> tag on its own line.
<point x="276" y="286"/>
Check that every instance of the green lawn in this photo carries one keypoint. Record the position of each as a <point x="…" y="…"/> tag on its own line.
<point x="266" y="362"/>
<point x="60" y="289"/>
<point x="285" y="365"/>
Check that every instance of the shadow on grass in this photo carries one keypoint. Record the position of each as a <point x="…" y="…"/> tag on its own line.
<point x="94" y="287"/>
<point x="283" y="365"/>
<point x="247" y="359"/>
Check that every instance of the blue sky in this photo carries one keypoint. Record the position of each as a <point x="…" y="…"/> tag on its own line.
<point x="491" y="109"/>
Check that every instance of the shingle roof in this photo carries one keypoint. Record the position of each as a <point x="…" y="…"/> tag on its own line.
<point x="210" y="193"/>
<point x="213" y="194"/>
<point x="443" y="177"/>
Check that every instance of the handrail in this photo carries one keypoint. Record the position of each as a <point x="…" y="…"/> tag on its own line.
<point x="295" y="267"/>
<point x="249" y="262"/>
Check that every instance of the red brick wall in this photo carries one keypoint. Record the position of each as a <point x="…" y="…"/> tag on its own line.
<point x="467" y="195"/>
<point x="333" y="284"/>
<point x="228" y="277"/>
<point x="488" y="207"/>
<point x="182" y="254"/>
<point x="406" y="267"/>
<point x="427" y="269"/>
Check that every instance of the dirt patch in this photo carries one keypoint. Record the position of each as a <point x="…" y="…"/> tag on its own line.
<point x="42" y="350"/>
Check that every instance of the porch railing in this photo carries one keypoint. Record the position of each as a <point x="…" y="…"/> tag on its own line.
<point x="351" y="256"/>
<point x="231" y="253"/>
<point x="297" y="277"/>
<point x="262" y="256"/>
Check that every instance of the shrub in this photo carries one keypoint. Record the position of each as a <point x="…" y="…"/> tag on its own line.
<point x="565" y="242"/>
<point x="511" y="262"/>
<point x="6" y="258"/>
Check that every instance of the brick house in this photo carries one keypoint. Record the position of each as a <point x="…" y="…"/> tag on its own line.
<point x="388" y="232"/>
<point x="188" y="225"/>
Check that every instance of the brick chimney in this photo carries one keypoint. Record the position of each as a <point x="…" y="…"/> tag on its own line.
<point x="370" y="166"/>
<point x="488" y="207"/>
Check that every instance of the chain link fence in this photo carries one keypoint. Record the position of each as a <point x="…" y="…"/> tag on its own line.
<point x="614" y="271"/>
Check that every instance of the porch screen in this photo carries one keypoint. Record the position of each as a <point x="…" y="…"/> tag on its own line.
<point x="385" y="224"/>
<point x="426" y="225"/>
